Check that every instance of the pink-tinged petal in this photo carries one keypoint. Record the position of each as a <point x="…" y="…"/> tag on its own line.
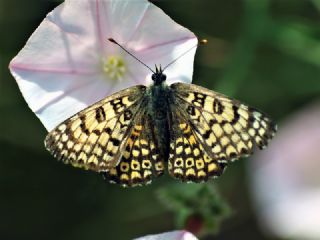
<point x="60" y="71"/>
<point x="153" y="29"/>
<point x="51" y="49"/>
<point x="298" y="218"/>
<point x="125" y="17"/>
<point x="164" y="54"/>
<point x="137" y="72"/>
<point x="84" y="18"/>
<point x="75" y="99"/>
<point x="286" y="180"/>
<point x="174" y="235"/>
<point x="52" y="63"/>
<point x="153" y="37"/>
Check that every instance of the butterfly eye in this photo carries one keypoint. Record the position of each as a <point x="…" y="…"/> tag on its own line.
<point x="153" y="77"/>
<point x="163" y="77"/>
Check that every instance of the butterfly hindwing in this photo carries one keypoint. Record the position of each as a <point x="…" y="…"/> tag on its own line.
<point x="141" y="159"/>
<point x="94" y="138"/>
<point x="227" y="128"/>
<point x="188" y="160"/>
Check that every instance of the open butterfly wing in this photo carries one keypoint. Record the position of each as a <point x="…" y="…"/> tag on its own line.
<point x="226" y="128"/>
<point x="188" y="160"/>
<point x="141" y="159"/>
<point x="95" y="137"/>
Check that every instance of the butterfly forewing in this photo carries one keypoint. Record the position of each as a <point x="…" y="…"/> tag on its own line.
<point x="141" y="159"/>
<point x="226" y="128"/>
<point x="95" y="137"/>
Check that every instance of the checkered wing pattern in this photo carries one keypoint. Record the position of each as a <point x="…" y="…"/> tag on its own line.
<point x="188" y="160"/>
<point x="223" y="128"/>
<point x="141" y="159"/>
<point x="95" y="137"/>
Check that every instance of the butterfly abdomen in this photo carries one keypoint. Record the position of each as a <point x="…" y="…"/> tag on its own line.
<point x="158" y="110"/>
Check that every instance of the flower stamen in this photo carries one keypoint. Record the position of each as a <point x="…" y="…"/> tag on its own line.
<point x="114" y="67"/>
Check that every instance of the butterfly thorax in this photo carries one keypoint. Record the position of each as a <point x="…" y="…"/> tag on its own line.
<point x="158" y="103"/>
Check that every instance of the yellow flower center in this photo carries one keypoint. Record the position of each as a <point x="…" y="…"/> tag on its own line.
<point x="114" y="67"/>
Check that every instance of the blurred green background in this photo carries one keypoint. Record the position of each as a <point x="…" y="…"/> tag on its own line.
<point x="263" y="52"/>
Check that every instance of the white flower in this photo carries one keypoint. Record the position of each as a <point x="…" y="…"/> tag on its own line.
<point x="68" y="63"/>
<point x="174" y="235"/>
<point x="286" y="178"/>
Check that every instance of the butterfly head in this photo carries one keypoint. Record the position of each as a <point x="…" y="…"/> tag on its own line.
<point x="158" y="76"/>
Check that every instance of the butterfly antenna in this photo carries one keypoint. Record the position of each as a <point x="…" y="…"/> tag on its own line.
<point x="202" y="42"/>
<point x="115" y="42"/>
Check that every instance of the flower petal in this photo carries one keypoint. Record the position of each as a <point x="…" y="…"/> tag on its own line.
<point x="157" y="39"/>
<point x="175" y="235"/>
<point x="286" y="181"/>
<point x="52" y="63"/>
<point x="125" y="17"/>
<point x="59" y="71"/>
<point x="84" y="18"/>
<point x="168" y="52"/>
<point x="54" y="105"/>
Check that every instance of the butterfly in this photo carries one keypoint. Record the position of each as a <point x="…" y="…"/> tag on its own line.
<point x="131" y="136"/>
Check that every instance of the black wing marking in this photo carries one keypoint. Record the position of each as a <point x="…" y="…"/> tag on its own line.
<point x="227" y="128"/>
<point x="95" y="137"/>
<point x="141" y="159"/>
